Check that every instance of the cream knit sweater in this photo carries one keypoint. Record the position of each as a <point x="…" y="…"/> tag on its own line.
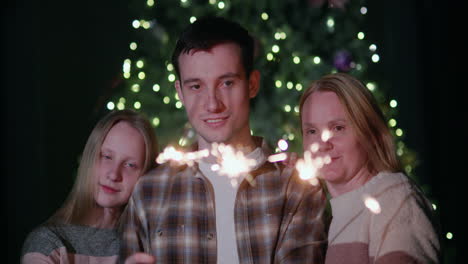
<point x="387" y="220"/>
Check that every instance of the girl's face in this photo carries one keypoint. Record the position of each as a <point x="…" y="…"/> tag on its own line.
<point x="119" y="165"/>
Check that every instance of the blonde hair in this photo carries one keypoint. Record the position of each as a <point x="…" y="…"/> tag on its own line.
<point x="80" y="202"/>
<point x="365" y="116"/>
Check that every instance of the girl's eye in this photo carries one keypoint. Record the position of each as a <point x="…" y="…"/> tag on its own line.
<point x="131" y="165"/>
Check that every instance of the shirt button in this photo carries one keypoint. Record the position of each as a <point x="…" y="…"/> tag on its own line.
<point x="210" y="236"/>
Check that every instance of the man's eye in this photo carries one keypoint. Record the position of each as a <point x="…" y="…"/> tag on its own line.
<point x="228" y="83"/>
<point x="195" y="87"/>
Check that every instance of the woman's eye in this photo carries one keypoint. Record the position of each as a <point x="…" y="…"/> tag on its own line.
<point x="311" y="131"/>
<point x="195" y="87"/>
<point x="105" y="156"/>
<point x="339" y="128"/>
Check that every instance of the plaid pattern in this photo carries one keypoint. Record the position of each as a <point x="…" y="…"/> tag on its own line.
<point x="278" y="220"/>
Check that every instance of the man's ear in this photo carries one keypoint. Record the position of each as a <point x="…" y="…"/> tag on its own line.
<point x="179" y="91"/>
<point x="254" y="83"/>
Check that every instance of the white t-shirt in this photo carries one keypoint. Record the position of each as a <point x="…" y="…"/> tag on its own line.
<point x="225" y="197"/>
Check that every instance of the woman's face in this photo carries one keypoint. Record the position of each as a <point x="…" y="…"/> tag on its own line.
<point x="323" y="111"/>
<point x="119" y="165"/>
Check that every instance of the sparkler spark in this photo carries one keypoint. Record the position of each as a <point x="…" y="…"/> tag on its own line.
<point x="326" y="135"/>
<point x="229" y="162"/>
<point x="372" y="204"/>
<point x="277" y="157"/>
<point x="174" y="155"/>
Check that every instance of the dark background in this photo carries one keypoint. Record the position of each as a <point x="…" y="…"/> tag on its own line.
<point x="62" y="60"/>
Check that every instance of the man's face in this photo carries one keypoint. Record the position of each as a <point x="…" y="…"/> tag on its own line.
<point x="215" y="91"/>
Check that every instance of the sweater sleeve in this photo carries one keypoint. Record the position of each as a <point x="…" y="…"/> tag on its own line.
<point x="409" y="235"/>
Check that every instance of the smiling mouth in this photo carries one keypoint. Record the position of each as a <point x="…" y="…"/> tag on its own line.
<point x="216" y="121"/>
<point x="108" y="189"/>
<point x="211" y="121"/>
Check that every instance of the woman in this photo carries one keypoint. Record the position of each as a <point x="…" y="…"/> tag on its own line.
<point x="120" y="149"/>
<point x="379" y="215"/>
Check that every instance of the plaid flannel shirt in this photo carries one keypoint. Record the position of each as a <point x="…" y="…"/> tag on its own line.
<point x="171" y="215"/>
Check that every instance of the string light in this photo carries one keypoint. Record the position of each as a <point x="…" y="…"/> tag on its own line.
<point x="393" y="103"/>
<point x="269" y="56"/>
<point x="127" y="66"/>
<point x="363" y="10"/>
<point x="145" y="24"/>
<point x="150" y="3"/>
<point x="140" y="64"/>
<point x="120" y="106"/>
<point x="399" y="132"/>
<point x="278" y="84"/>
<point x="330" y="23"/>
<point x="371" y="86"/>
<point x="136" y="24"/>
<point x="296" y="60"/>
<point x="299" y="87"/>
<point x="221" y="5"/>
<point x="110" y="105"/>
<point x="289" y="85"/>
<point x="264" y="16"/>
<point x="375" y="58"/>
<point x="137" y="105"/>
<point x="275" y="48"/>
<point x="170" y="67"/>
<point x="141" y="75"/>
<point x="317" y="60"/>
<point x="361" y="35"/>
<point x="287" y="108"/>
<point x="156" y="88"/>
<point x="135" y="88"/>
<point x="156" y="121"/>
<point x="449" y="235"/>
<point x="296" y="109"/>
<point x="171" y="77"/>
<point x="166" y="100"/>
<point x="193" y="19"/>
<point x="133" y="46"/>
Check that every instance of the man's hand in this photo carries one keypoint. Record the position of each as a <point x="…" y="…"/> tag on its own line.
<point x="140" y="258"/>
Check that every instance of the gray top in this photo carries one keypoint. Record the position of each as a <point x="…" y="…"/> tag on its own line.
<point x="82" y="240"/>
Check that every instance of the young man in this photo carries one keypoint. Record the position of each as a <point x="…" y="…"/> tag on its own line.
<point x="191" y="214"/>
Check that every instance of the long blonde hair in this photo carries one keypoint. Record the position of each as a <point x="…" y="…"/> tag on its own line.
<point x="80" y="202"/>
<point x="365" y="116"/>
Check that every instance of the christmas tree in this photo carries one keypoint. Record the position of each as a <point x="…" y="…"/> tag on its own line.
<point x="297" y="41"/>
